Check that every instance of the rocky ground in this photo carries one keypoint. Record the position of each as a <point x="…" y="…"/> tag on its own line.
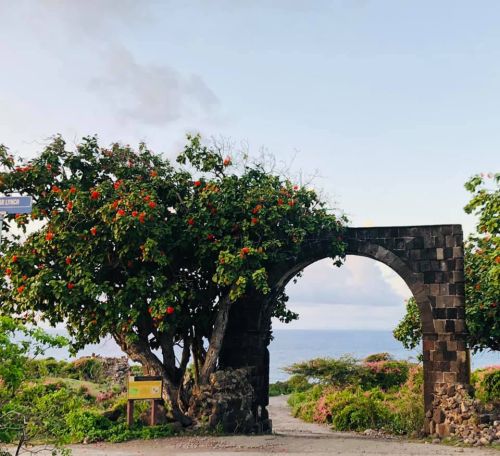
<point x="291" y="436"/>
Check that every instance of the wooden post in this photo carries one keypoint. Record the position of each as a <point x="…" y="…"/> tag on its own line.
<point x="130" y="412"/>
<point x="153" y="412"/>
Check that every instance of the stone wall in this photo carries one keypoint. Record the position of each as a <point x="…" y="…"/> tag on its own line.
<point x="456" y="414"/>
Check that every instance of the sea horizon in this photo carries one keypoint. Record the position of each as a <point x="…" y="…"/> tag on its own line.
<point x="294" y="345"/>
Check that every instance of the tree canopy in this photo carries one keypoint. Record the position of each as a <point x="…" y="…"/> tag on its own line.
<point x="123" y="242"/>
<point x="482" y="272"/>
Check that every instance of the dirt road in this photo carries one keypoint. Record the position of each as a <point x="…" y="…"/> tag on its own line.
<point x="291" y="436"/>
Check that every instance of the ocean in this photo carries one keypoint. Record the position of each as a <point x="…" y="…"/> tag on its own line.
<point x="290" y="346"/>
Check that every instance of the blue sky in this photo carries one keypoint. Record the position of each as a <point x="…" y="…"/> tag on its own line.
<point x="391" y="105"/>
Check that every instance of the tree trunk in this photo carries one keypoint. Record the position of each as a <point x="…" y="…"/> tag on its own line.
<point x="218" y="332"/>
<point x="141" y="353"/>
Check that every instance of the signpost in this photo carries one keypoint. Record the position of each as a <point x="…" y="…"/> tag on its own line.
<point x="140" y="388"/>
<point x="14" y="205"/>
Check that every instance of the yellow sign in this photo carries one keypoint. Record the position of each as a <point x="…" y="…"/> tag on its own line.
<point x="144" y="387"/>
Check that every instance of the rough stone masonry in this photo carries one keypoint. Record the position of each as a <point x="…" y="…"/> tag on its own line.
<point x="430" y="259"/>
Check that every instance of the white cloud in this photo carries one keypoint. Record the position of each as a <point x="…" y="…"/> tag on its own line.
<point x="360" y="280"/>
<point x="362" y="294"/>
<point x="150" y="93"/>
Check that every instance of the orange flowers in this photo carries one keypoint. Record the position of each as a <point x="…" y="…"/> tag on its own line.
<point x="153" y="173"/>
<point x="20" y="289"/>
<point x="68" y="260"/>
<point x="69" y="206"/>
<point x="118" y="184"/>
<point x="70" y="285"/>
<point x="8" y="272"/>
<point x="152" y="204"/>
<point x="93" y="231"/>
<point x="280" y="202"/>
<point x="49" y="236"/>
<point x="255" y="220"/>
<point x="190" y="221"/>
<point x="244" y="251"/>
<point x="72" y="190"/>
<point x="55" y="189"/>
<point x="257" y="209"/>
<point x="197" y="183"/>
<point x="14" y="258"/>
<point x="142" y="217"/>
<point x="95" y="195"/>
<point x="227" y="161"/>
<point x="120" y="213"/>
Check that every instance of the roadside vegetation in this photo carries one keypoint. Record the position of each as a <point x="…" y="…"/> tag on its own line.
<point x="45" y="401"/>
<point x="378" y="393"/>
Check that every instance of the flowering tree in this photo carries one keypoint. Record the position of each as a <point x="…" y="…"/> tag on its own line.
<point x="482" y="272"/>
<point x="129" y="245"/>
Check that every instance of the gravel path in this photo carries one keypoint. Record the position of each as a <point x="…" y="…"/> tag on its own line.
<point x="291" y="436"/>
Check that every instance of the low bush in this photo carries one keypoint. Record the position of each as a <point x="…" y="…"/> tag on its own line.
<point x="330" y="371"/>
<point x="303" y="403"/>
<point x="364" y="411"/>
<point x="486" y="383"/>
<point x="393" y="403"/>
<point x="296" y="383"/>
<point x="90" y="369"/>
<point x="385" y="374"/>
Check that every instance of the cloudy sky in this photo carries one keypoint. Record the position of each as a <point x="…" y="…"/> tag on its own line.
<point x="391" y="105"/>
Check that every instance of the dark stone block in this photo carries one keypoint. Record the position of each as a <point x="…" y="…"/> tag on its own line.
<point x="449" y="326"/>
<point x="451" y="313"/>
<point x="439" y="312"/>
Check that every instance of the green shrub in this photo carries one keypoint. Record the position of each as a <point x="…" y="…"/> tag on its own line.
<point x="486" y="384"/>
<point x="87" y="424"/>
<point x="407" y="405"/>
<point x="394" y="402"/>
<point x="330" y="371"/>
<point x="378" y="370"/>
<point x="296" y="383"/>
<point x="386" y="374"/>
<point x="122" y="432"/>
<point x="89" y="369"/>
<point x="48" y="367"/>
<point x="407" y="414"/>
<point x="303" y="404"/>
<point x="331" y="402"/>
<point x="378" y="357"/>
<point x="279" y="389"/>
<point x="363" y="412"/>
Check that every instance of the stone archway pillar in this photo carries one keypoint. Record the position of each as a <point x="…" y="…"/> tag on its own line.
<point x="245" y="346"/>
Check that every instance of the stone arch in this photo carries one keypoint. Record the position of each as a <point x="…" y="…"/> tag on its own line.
<point x="430" y="261"/>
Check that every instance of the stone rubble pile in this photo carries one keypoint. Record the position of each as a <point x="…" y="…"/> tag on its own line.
<point x="456" y="414"/>
<point x="225" y="402"/>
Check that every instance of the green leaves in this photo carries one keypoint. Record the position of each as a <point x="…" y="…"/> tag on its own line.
<point x="131" y="236"/>
<point x="17" y="343"/>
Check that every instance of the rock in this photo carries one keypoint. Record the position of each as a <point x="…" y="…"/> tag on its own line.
<point x="456" y="414"/>
<point x="226" y="401"/>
